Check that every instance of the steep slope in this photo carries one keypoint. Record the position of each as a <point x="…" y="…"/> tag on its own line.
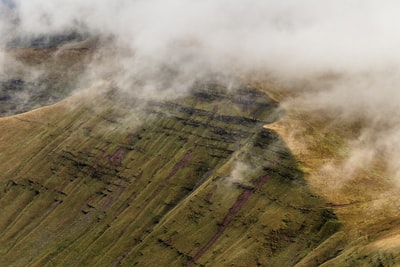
<point x="196" y="181"/>
<point x="366" y="200"/>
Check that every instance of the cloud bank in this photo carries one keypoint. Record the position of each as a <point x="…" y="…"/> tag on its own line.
<point x="278" y="36"/>
<point x="161" y="47"/>
<point x="283" y="38"/>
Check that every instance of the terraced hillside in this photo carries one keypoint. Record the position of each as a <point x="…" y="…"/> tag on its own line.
<point x="192" y="182"/>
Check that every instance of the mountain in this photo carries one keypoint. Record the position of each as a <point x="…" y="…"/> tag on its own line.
<point x="212" y="178"/>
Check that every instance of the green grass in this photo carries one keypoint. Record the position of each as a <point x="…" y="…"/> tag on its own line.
<point x="66" y="203"/>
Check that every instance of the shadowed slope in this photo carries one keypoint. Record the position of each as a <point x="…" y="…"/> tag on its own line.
<point x="365" y="200"/>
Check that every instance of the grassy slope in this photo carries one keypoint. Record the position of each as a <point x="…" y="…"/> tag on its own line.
<point x="366" y="201"/>
<point x="83" y="186"/>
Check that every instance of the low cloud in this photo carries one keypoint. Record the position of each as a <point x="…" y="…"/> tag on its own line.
<point x="342" y="55"/>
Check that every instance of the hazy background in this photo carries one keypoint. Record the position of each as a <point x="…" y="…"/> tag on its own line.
<point x="158" y="48"/>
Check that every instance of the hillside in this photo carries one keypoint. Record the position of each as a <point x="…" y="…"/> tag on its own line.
<point x="365" y="200"/>
<point x="218" y="177"/>
<point x="186" y="182"/>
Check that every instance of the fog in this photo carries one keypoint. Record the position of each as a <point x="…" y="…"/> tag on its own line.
<point x="164" y="46"/>
<point x="281" y="37"/>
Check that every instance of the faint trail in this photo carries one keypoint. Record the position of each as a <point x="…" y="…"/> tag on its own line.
<point x="240" y="201"/>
